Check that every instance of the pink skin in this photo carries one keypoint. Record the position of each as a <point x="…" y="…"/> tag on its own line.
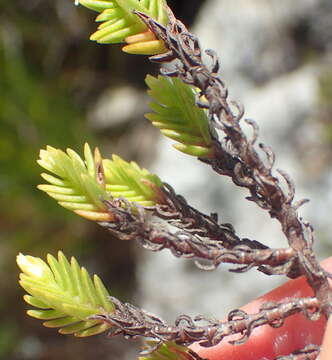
<point x="265" y="342"/>
<point x="326" y="351"/>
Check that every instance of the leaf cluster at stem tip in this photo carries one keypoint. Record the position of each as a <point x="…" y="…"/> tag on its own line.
<point x="64" y="294"/>
<point x="83" y="185"/>
<point x="177" y="115"/>
<point x="120" y="24"/>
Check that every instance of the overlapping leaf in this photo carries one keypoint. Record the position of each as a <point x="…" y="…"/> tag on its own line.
<point x="64" y="294"/>
<point x="177" y="115"/>
<point x="169" y="351"/>
<point x="118" y="20"/>
<point x="128" y="180"/>
<point x="83" y="185"/>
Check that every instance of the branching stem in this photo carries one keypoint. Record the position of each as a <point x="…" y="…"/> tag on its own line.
<point x="237" y="156"/>
<point x="133" y="322"/>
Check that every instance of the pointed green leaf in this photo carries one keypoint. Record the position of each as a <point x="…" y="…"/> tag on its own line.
<point x="128" y="180"/>
<point x="64" y="321"/>
<point x="75" y="328"/>
<point x="94" y="330"/>
<point x="193" y="150"/>
<point x="98" y="5"/>
<point x="45" y="314"/>
<point x="35" y="302"/>
<point x="77" y="279"/>
<point x="102" y="293"/>
<point x="88" y="287"/>
<point x="169" y="351"/>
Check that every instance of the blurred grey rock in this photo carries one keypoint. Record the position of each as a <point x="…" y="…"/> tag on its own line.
<point x="116" y="107"/>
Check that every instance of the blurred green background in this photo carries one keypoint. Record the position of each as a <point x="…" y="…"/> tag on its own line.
<point x="50" y="75"/>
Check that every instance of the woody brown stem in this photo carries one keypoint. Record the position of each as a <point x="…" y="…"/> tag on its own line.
<point x="236" y="156"/>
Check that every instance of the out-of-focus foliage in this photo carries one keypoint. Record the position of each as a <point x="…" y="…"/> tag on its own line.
<point x="31" y="111"/>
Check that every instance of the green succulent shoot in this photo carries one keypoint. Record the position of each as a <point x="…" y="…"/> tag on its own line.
<point x="120" y="24"/>
<point x="64" y="294"/>
<point x="83" y="185"/>
<point x="177" y="115"/>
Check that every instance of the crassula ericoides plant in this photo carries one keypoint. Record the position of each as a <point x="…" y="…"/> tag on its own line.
<point x="190" y="106"/>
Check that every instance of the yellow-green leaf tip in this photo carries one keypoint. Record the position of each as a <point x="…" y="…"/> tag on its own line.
<point x="144" y="43"/>
<point x="34" y="267"/>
